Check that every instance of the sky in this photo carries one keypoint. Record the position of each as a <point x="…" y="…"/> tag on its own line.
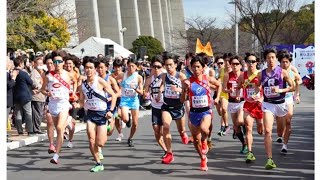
<point x="219" y="9"/>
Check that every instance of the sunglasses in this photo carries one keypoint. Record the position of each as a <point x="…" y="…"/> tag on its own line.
<point x="251" y="61"/>
<point x="235" y="64"/>
<point x="220" y="63"/>
<point x="57" y="61"/>
<point x="157" y="67"/>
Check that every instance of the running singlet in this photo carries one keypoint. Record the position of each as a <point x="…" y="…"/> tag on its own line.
<point x="155" y="88"/>
<point x="57" y="89"/>
<point x="172" y="97"/>
<point x="232" y="83"/>
<point x="128" y="84"/>
<point x="270" y="81"/>
<point x="249" y="90"/>
<point x="92" y="102"/>
<point x="199" y="93"/>
<point x="291" y="75"/>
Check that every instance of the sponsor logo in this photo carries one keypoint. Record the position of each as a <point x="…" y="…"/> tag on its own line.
<point x="56" y="85"/>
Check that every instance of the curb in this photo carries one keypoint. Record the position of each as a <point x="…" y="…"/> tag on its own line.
<point x="43" y="137"/>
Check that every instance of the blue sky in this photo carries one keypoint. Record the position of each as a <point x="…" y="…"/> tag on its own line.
<point x="219" y="9"/>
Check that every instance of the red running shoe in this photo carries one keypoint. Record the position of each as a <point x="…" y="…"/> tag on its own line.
<point x="185" y="138"/>
<point x="203" y="164"/>
<point x="204" y="147"/>
<point x="168" y="158"/>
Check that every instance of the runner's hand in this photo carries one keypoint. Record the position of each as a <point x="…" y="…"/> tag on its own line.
<point x="109" y="115"/>
<point x="298" y="99"/>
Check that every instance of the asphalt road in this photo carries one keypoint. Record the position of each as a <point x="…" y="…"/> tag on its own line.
<point x="143" y="161"/>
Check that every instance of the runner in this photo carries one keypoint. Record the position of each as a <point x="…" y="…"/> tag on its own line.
<point x="117" y="75"/>
<point x="236" y="101"/>
<point x="273" y="80"/>
<point x="172" y="109"/>
<point x="56" y="86"/>
<point x="252" y="106"/>
<point x="131" y="86"/>
<point x="224" y="97"/>
<point x="93" y="97"/>
<point x="284" y="126"/>
<point x="198" y="90"/>
<point x="102" y="70"/>
<point x="73" y="97"/>
<point x="152" y="86"/>
<point x="50" y="124"/>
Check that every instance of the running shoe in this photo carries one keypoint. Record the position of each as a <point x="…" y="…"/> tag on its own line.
<point x="51" y="149"/>
<point x="97" y="168"/>
<point x="284" y="149"/>
<point x="244" y="149"/>
<point x="130" y="143"/>
<point x="54" y="159"/>
<point x="226" y="130"/>
<point x="123" y="125"/>
<point x="65" y="135"/>
<point x="250" y="157"/>
<point x="128" y="124"/>
<point x="210" y="144"/>
<point x="270" y="164"/>
<point x="203" y="164"/>
<point x="234" y="135"/>
<point x="70" y="145"/>
<point x="185" y="138"/>
<point x="119" y="138"/>
<point x="101" y="156"/>
<point x="220" y="133"/>
<point x="69" y="123"/>
<point x="168" y="158"/>
<point x="204" y="147"/>
<point x="279" y="140"/>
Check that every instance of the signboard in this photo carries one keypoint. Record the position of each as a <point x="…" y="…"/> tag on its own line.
<point x="304" y="60"/>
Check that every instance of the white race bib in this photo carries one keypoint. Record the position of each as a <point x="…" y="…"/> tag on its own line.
<point x="250" y="92"/>
<point x="268" y="92"/>
<point x="128" y="92"/>
<point x="200" y="101"/>
<point x="168" y="93"/>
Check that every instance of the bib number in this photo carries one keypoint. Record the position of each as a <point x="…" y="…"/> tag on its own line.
<point x="268" y="92"/>
<point x="129" y="92"/>
<point x="200" y="101"/>
<point x="170" y="94"/>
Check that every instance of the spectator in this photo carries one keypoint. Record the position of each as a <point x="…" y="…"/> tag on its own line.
<point x="38" y="99"/>
<point x="11" y="78"/>
<point x="22" y="98"/>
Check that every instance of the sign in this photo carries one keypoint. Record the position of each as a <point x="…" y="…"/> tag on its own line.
<point x="304" y="60"/>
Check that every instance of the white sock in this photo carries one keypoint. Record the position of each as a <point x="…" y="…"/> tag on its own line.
<point x="55" y="157"/>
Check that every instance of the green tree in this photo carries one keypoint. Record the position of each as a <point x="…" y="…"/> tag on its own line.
<point x="152" y="44"/>
<point x="38" y="31"/>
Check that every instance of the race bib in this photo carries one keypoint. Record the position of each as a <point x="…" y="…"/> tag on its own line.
<point x="268" y="92"/>
<point x="168" y="93"/>
<point x="250" y="92"/>
<point x="128" y="92"/>
<point x="57" y="93"/>
<point x="200" y="101"/>
<point x="234" y="94"/>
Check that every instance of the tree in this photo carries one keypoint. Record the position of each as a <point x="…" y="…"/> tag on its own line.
<point x="263" y="17"/>
<point x="38" y="31"/>
<point x="298" y="28"/>
<point x="152" y="44"/>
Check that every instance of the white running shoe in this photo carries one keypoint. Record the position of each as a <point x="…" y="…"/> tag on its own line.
<point x="69" y="121"/>
<point x="123" y="125"/>
<point x="70" y="145"/>
<point x="119" y="138"/>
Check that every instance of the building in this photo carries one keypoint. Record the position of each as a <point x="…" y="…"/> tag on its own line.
<point x="124" y="20"/>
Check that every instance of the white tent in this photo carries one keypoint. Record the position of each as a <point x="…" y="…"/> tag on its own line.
<point x="94" y="46"/>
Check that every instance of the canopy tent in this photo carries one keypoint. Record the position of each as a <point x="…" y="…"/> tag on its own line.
<point x="94" y="46"/>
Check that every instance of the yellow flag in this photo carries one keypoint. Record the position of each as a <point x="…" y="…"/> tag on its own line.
<point x="203" y="49"/>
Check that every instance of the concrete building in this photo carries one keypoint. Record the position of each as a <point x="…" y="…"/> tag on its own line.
<point x="124" y="20"/>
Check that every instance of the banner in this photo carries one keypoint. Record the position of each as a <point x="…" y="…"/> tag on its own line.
<point x="304" y="59"/>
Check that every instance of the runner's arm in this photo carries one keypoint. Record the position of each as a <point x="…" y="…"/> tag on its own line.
<point x="225" y="83"/>
<point x="287" y="79"/>
<point x="184" y="92"/>
<point x="139" y="88"/>
<point x="146" y="86"/>
<point x="240" y="84"/>
<point x="107" y="88"/>
<point x="115" y="86"/>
